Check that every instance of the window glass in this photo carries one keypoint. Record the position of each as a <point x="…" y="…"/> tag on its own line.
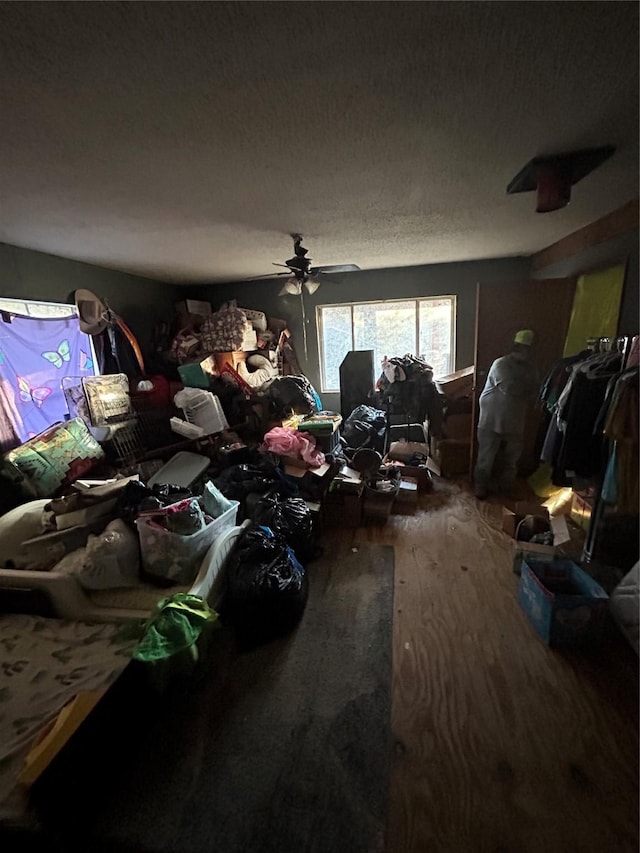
<point x="336" y="343"/>
<point x="388" y="328"/>
<point x="422" y="327"/>
<point x="436" y="338"/>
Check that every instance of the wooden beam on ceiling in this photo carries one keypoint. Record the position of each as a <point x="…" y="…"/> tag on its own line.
<point x="620" y="221"/>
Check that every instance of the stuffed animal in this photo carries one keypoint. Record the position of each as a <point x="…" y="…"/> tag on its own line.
<point x="263" y="371"/>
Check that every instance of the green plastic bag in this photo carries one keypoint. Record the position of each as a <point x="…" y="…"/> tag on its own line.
<point x="175" y="638"/>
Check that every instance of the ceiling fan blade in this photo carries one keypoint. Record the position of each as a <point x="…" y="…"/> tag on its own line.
<point x="266" y="275"/>
<point x="335" y="268"/>
<point x="284" y="266"/>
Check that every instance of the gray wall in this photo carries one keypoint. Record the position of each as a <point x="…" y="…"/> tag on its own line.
<point x="458" y="279"/>
<point x="622" y="249"/>
<point x="36" y="275"/>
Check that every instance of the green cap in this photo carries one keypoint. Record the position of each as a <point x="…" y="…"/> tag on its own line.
<point x="525" y="337"/>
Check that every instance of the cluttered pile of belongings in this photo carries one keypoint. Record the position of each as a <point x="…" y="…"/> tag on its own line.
<point x="234" y="343"/>
<point x="406" y="386"/>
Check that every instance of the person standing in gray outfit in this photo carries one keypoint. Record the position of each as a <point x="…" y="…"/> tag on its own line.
<point x="511" y="386"/>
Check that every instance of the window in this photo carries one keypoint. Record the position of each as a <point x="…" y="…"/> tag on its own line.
<point x="31" y="308"/>
<point x="394" y="327"/>
<point x="42" y="351"/>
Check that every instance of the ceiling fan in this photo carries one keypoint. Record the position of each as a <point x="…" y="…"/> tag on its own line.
<point x="300" y="274"/>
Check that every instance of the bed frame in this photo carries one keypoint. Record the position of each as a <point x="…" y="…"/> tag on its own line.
<point x="68" y="600"/>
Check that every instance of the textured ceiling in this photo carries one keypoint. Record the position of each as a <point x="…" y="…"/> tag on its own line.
<point x="184" y="141"/>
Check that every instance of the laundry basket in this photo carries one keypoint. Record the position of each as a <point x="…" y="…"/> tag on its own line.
<point x="172" y="558"/>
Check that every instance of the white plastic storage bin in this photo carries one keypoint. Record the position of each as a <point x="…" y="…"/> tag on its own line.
<point x="174" y="558"/>
<point x="204" y="409"/>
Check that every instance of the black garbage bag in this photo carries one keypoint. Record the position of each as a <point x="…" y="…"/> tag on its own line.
<point x="238" y="481"/>
<point x="364" y="426"/>
<point x="136" y="497"/>
<point x="292" y="394"/>
<point x="267" y="588"/>
<point x="291" y="518"/>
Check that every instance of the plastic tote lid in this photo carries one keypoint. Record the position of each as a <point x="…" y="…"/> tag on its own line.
<point x="181" y="470"/>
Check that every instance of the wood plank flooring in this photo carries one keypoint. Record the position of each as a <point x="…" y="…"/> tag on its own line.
<point x="500" y="744"/>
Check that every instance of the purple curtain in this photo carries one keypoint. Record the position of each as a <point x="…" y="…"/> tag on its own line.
<point x="35" y="356"/>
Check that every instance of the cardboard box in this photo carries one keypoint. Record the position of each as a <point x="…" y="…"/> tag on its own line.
<point x="510" y="520"/>
<point x="343" y="509"/>
<point x="565" y="606"/>
<point x="294" y="462"/>
<point x="459" y="427"/>
<point x="420" y="473"/>
<point x="193" y="306"/>
<point x="457" y="384"/>
<point x="404" y="451"/>
<point x="233" y="359"/>
<point x="406" y="501"/>
<point x="452" y="456"/>
<point x="525" y="551"/>
<point x="581" y="509"/>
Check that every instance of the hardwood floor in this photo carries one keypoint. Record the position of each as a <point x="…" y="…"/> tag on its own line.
<point x="500" y="743"/>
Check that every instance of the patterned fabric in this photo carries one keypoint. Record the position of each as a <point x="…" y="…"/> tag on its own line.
<point x="35" y="356"/>
<point x="226" y="331"/>
<point x="57" y="457"/>
<point x="44" y="663"/>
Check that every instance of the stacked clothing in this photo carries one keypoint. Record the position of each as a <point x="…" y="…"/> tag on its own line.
<point x="406" y="386"/>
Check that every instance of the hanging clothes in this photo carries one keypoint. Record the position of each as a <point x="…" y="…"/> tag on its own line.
<point x="621" y="427"/>
<point x="572" y="446"/>
<point x="554" y="382"/>
<point x="633" y="359"/>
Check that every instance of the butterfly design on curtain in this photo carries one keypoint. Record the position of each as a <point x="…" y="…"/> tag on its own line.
<point x="32" y="395"/>
<point x="86" y="362"/>
<point x="62" y="354"/>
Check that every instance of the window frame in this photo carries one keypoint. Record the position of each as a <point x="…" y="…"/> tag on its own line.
<point x="9" y="304"/>
<point x="71" y="310"/>
<point x="417" y="300"/>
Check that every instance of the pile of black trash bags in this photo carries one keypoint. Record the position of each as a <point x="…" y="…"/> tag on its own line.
<point x="267" y="570"/>
<point x="268" y="587"/>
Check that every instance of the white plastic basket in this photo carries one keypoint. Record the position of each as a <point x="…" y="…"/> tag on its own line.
<point x="205" y="410"/>
<point x="172" y="557"/>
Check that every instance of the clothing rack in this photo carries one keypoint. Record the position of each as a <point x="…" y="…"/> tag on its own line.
<point x="600" y="506"/>
<point x="620" y="344"/>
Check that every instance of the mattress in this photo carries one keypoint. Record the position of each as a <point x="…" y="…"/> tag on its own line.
<point x="46" y="663"/>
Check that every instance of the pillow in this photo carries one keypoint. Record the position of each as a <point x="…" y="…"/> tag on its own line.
<point x="57" y="456"/>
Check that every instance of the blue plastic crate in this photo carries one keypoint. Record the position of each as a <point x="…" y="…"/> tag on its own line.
<point x="563" y="603"/>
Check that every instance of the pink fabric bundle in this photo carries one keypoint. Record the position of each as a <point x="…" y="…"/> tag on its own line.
<point x="285" y="441"/>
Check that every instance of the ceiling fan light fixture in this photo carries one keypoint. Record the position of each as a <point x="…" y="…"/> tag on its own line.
<point x="311" y="286"/>
<point x="291" y="287"/>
